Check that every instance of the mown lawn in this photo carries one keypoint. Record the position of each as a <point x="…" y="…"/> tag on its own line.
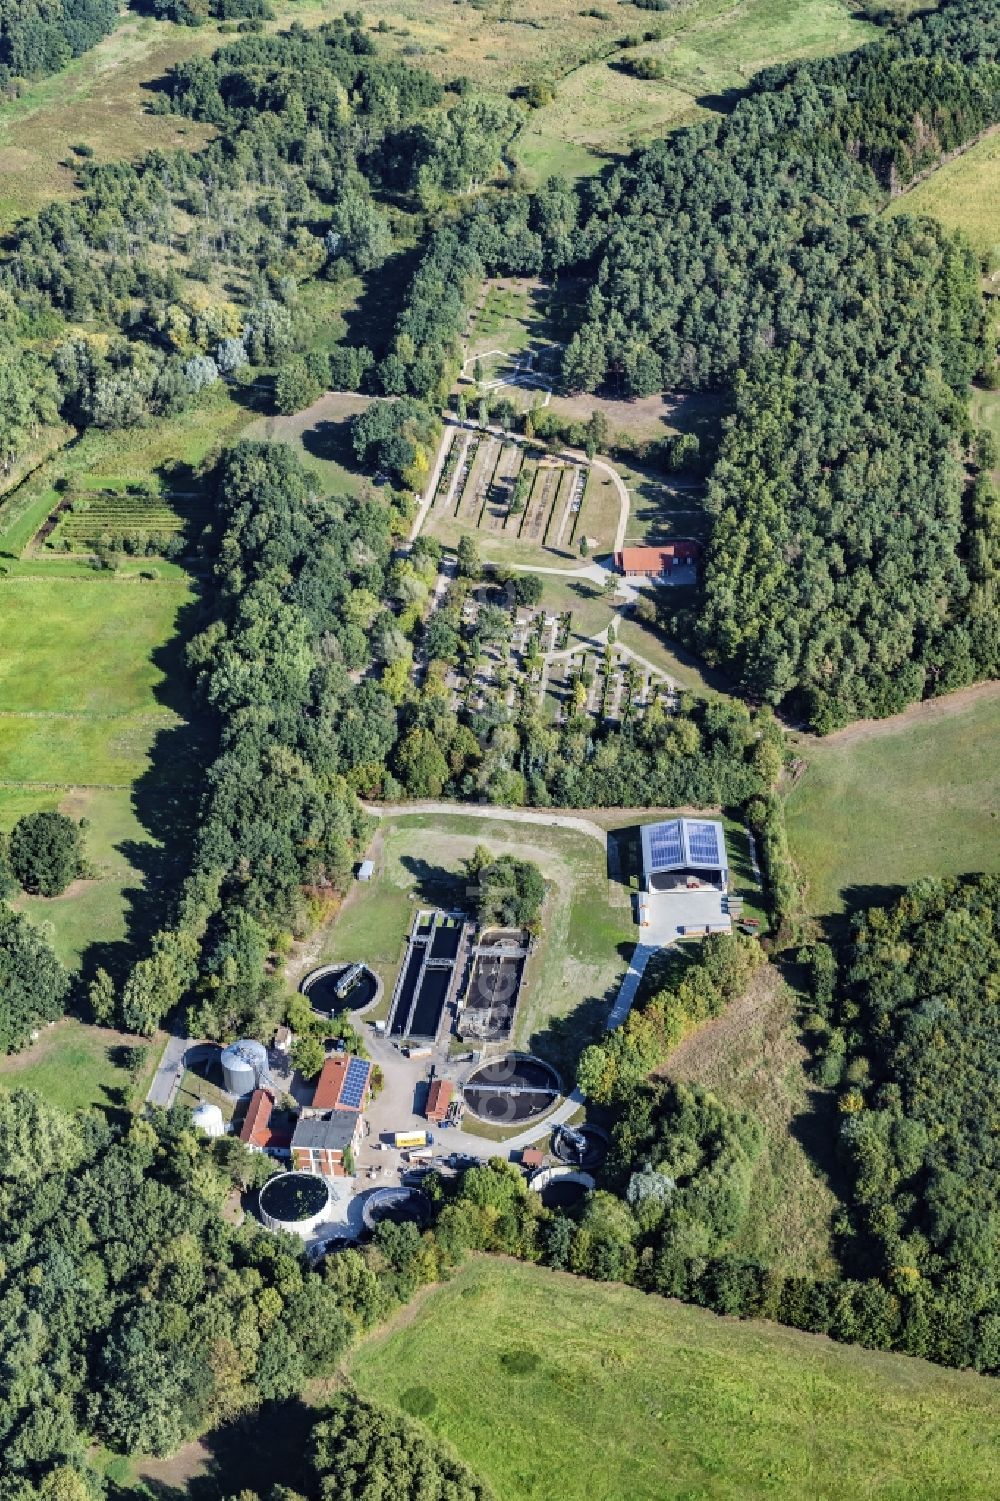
<point x="75" y="1066"/>
<point x="89" y="647"/>
<point x="880" y="805"/>
<point x="94" y="720"/>
<point x="553" y="1387"/>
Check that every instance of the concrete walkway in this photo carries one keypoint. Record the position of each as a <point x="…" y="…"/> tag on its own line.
<point x="630" y="984"/>
<point x="444" y="448"/>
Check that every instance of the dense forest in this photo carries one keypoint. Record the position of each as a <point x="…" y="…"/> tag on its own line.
<point x="738" y="255"/>
<point x="40" y="36"/>
<point x="132" y="1314"/>
<point x="911" y="1037"/>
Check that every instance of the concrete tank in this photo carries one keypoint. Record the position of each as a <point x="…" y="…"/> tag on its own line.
<point x="296" y="1202"/>
<point x="244" y="1066"/>
<point x="207" y="1117"/>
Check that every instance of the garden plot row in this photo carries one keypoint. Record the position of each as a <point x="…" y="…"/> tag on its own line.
<point x="500" y="488"/>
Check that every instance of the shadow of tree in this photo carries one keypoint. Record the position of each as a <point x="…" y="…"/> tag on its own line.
<point x="267" y="1448"/>
<point x="331" y="442"/>
<point x="434" y="884"/>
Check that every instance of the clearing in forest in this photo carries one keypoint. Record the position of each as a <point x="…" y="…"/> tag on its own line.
<point x="885" y="802"/>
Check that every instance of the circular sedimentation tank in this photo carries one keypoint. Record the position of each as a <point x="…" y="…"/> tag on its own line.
<point x="594" y="1152"/>
<point x="400" y="1206"/>
<point x="296" y="1202"/>
<point x="512" y="1090"/>
<point x="320" y="988"/>
<point x="561" y="1187"/>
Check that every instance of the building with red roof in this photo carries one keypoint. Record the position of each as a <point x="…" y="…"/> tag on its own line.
<point x="255" y="1131"/>
<point x="343" y="1084"/>
<point x="657" y="563"/>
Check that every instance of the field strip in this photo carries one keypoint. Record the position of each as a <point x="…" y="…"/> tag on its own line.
<point x="138" y="716"/>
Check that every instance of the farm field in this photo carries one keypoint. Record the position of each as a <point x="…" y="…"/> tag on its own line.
<point x="549" y="1386"/>
<point x="963" y="194"/>
<point x="587" y="922"/>
<point x="76" y="1067"/>
<point x="883" y="803"/>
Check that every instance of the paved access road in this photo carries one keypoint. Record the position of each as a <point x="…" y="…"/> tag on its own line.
<point x="178" y="1055"/>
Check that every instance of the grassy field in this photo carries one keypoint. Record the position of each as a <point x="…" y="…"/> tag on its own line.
<point x="709" y="50"/>
<point x="75" y="1066"/>
<point x="554" y="1387"/>
<point x="117" y="627"/>
<point x="320" y="435"/>
<point x="587" y="919"/>
<point x="881" y="804"/>
<point x="95" y="921"/>
<point x="95" y="722"/>
<point x="963" y="194"/>
<point x="752" y="1058"/>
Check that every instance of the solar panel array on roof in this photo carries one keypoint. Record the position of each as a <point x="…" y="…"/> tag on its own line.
<point x="665" y="844"/>
<point x="703" y="842"/>
<point x="353" y="1091"/>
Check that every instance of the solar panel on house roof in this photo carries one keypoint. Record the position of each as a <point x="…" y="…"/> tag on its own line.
<point x="665" y="845"/>
<point x="703" y="843"/>
<point x="353" y="1091"/>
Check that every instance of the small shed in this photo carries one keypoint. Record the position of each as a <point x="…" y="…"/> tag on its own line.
<point x="532" y="1158"/>
<point x="366" y="870"/>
